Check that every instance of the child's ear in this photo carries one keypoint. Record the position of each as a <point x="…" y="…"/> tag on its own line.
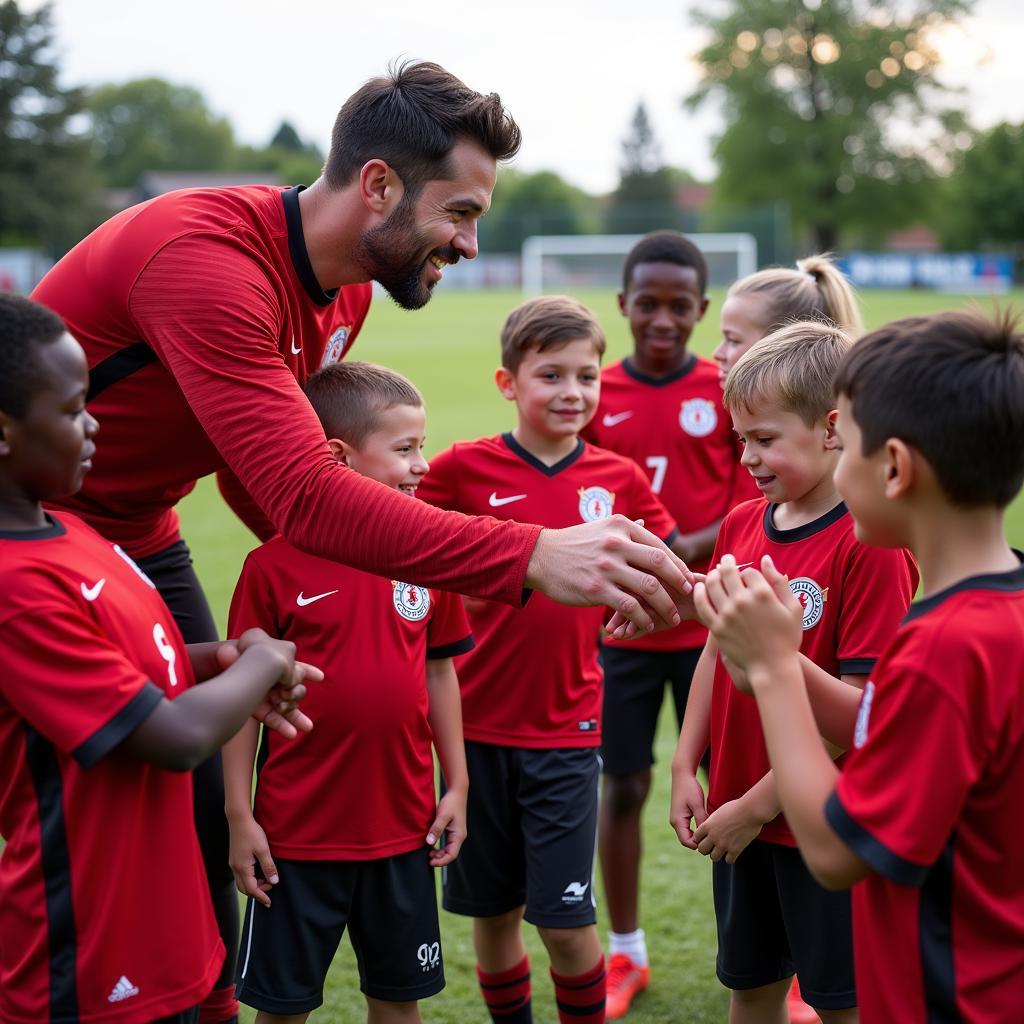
<point x="5" y="426"/>
<point x="831" y="441"/>
<point x="506" y="381"/>
<point x="704" y="303"/>
<point x="622" y="303"/>
<point x="341" y="450"/>
<point x="901" y="469"/>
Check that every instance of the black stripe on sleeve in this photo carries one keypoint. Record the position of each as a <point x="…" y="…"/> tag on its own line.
<point x="450" y="650"/>
<point x="121" y="364"/>
<point x="856" y="666"/>
<point x="126" y="721"/>
<point x="935" y="926"/>
<point x="55" y="856"/>
<point x="671" y="537"/>
<point x="877" y="856"/>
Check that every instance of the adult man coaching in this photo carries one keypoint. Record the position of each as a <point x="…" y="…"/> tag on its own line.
<point x="202" y="312"/>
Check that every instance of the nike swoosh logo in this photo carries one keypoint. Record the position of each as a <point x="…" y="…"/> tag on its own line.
<point x="295" y="351"/>
<point x="495" y="502"/>
<point x="303" y="601"/>
<point x="91" y="593"/>
<point x="611" y="421"/>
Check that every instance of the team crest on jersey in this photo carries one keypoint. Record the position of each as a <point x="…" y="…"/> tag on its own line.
<point x="595" y="503"/>
<point x="811" y="597"/>
<point x="411" y="602"/>
<point x="336" y="346"/>
<point x="698" y="417"/>
<point x="860" y="731"/>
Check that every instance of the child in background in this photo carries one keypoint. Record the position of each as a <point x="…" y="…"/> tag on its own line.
<point x="344" y="822"/>
<point x="924" y="818"/>
<point x="760" y="303"/>
<point x="105" y="913"/>
<point x="662" y="408"/>
<point x="772" y="916"/>
<point x="531" y="689"/>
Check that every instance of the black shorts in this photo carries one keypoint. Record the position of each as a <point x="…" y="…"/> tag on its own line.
<point x="185" y="1017"/>
<point x="390" y="908"/>
<point x="774" y="919"/>
<point x="634" y="688"/>
<point x="532" y="821"/>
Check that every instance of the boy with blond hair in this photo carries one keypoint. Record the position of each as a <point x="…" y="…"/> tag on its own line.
<point x="773" y="918"/>
<point x="931" y="421"/>
<point x="531" y="689"/>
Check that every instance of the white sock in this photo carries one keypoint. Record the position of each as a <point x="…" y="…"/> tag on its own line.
<point x="630" y="943"/>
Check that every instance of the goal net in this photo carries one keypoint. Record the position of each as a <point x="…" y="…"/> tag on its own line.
<point x="552" y="263"/>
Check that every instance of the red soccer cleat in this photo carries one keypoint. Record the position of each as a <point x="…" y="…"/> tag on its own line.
<point x="799" y="1011"/>
<point x="625" y="980"/>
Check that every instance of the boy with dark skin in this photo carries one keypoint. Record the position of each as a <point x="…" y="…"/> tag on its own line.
<point x="102" y="653"/>
<point x="660" y="407"/>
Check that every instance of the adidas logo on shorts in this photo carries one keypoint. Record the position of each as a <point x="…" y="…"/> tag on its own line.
<point x="124" y="989"/>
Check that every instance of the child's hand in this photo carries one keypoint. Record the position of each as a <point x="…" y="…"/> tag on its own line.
<point x="686" y="803"/>
<point x="450" y="823"/>
<point x="248" y="849"/>
<point x="754" y="618"/>
<point x="727" y="832"/>
<point x="279" y="708"/>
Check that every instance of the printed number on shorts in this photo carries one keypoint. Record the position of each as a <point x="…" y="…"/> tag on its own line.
<point x="428" y="955"/>
<point x="659" y="463"/>
<point x="163" y="645"/>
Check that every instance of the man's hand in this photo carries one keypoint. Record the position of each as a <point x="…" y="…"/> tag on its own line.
<point x="449" y="822"/>
<point x="614" y="562"/>
<point x="248" y="849"/>
<point x="727" y="832"/>
<point x="686" y="803"/>
<point x="755" y="619"/>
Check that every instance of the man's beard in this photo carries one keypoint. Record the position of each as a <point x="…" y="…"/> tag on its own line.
<point x="393" y="254"/>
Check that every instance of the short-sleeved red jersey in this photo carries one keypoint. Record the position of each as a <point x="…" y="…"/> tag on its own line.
<point x="105" y="913"/>
<point x="200" y="316"/>
<point x="360" y="786"/>
<point x="676" y="429"/>
<point x="853" y="597"/>
<point x="930" y="798"/>
<point x="533" y="679"/>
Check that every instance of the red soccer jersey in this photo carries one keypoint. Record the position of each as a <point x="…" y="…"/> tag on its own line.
<point x="533" y="679"/>
<point x="677" y="430"/>
<point x="853" y="596"/>
<point x="105" y="914"/>
<point x="360" y="786"/>
<point x="930" y="799"/>
<point x="201" y="316"/>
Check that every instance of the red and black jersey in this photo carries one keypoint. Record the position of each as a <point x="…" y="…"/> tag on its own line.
<point x="930" y="799"/>
<point x="201" y="317"/>
<point x="105" y="913"/>
<point x="533" y="679"/>
<point x="677" y="430"/>
<point x="853" y="598"/>
<point x="360" y="786"/>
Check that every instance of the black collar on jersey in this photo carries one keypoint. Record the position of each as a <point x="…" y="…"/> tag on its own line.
<point x="1002" y="581"/>
<point x="800" y="532"/>
<point x="53" y="528"/>
<point x="298" y="251"/>
<point x="532" y="460"/>
<point x="659" y="382"/>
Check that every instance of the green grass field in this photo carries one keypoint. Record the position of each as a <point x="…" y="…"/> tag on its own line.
<point x="450" y="350"/>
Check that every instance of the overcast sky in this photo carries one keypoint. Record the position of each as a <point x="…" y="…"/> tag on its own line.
<point x="571" y="71"/>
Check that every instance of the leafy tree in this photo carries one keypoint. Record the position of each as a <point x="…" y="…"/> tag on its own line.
<point x="49" y="195"/>
<point x="832" y="106"/>
<point x="152" y="125"/>
<point x="646" y="196"/>
<point x="540" y="203"/>
<point x="291" y="159"/>
<point x="985" y="198"/>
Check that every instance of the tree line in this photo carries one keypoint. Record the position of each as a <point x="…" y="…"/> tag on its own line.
<point x="834" y="120"/>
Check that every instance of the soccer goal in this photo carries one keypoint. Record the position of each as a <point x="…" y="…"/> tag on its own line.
<point x="567" y="262"/>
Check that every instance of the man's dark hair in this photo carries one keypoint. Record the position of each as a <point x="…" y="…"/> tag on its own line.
<point x="24" y="326"/>
<point x="411" y="118"/>
<point x="950" y="385"/>
<point x="665" y="247"/>
<point x="349" y="398"/>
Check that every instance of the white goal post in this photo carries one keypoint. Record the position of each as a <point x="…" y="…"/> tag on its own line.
<point x="539" y="249"/>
